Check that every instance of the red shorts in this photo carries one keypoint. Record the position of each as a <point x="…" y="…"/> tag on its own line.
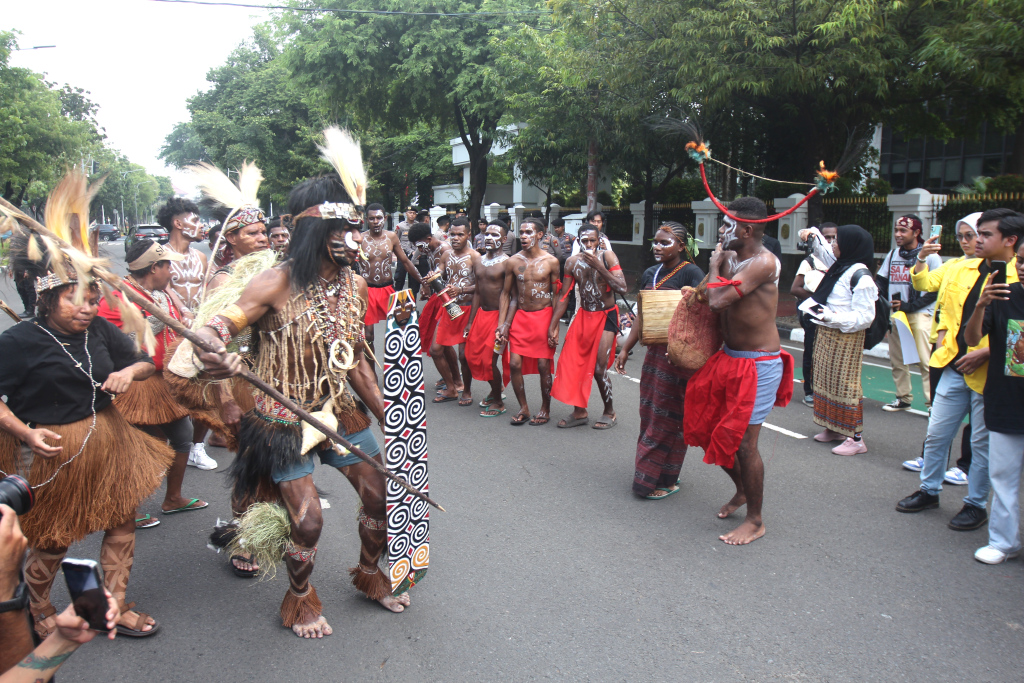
<point x="480" y="347"/>
<point x="377" y="303"/>
<point x="450" y="332"/>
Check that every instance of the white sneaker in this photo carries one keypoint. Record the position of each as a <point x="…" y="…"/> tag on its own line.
<point x="955" y="476"/>
<point x="990" y="555"/>
<point x="197" y="457"/>
<point x="915" y="465"/>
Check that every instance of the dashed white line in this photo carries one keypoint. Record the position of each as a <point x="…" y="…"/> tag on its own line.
<point x="781" y="430"/>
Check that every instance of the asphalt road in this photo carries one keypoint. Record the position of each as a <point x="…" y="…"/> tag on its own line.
<point x="547" y="567"/>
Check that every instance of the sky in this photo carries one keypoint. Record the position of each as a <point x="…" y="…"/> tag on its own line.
<point x="140" y="60"/>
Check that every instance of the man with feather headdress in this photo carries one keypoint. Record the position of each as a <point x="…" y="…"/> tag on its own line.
<point x="307" y="314"/>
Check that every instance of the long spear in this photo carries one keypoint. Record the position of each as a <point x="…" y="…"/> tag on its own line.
<point x="114" y="281"/>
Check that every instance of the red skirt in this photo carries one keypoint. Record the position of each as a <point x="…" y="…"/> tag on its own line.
<point x="429" y="317"/>
<point x="480" y="347"/>
<point x="720" y="400"/>
<point x="377" y="305"/>
<point x="450" y="332"/>
<point x="574" y="377"/>
<point x="528" y="337"/>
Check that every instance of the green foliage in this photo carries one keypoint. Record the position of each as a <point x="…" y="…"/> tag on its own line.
<point x="877" y="187"/>
<point x="1010" y="182"/>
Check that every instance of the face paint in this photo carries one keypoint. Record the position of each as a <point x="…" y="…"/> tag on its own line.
<point x="192" y="229"/>
<point x="729" y="234"/>
<point x="423" y="247"/>
<point x="491" y="243"/>
<point x="351" y="243"/>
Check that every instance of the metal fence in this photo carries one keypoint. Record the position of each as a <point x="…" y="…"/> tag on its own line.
<point x="870" y="213"/>
<point x="618" y="223"/>
<point x="952" y="209"/>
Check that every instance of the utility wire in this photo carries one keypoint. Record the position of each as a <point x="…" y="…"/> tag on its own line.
<point x="290" y="8"/>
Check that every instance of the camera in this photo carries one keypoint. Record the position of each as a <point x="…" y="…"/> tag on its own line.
<point x="15" y="492"/>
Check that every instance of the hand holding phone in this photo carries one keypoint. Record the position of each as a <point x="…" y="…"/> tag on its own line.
<point x="936" y="231"/>
<point x="999" y="272"/>
<point x="87" y="593"/>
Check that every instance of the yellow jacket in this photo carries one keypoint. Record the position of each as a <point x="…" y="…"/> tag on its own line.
<point x="954" y="281"/>
<point x="938" y="323"/>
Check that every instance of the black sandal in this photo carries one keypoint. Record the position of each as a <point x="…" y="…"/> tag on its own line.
<point x="243" y="573"/>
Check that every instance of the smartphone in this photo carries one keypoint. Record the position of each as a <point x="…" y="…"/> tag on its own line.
<point x="999" y="272"/>
<point x="897" y="296"/>
<point x="86" y="588"/>
<point x="936" y="231"/>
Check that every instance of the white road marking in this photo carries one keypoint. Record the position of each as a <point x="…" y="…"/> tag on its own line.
<point x="780" y="430"/>
<point x="913" y="370"/>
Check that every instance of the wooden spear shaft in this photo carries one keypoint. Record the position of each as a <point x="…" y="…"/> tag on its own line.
<point x="246" y="374"/>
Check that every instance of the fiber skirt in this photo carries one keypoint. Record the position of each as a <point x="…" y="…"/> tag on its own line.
<point x="150" y="402"/>
<point x="838" y="394"/>
<point x="119" y="468"/>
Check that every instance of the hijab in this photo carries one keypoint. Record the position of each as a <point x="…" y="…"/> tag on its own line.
<point x="856" y="247"/>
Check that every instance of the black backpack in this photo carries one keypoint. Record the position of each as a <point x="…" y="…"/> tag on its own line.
<point x="880" y="325"/>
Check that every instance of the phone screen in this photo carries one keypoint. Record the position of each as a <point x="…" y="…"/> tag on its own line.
<point x="897" y="296"/>
<point x="999" y="272"/>
<point x="86" y="589"/>
<point x="936" y="231"/>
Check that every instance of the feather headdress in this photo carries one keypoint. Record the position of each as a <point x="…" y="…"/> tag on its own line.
<point x="240" y="198"/>
<point x="342" y="152"/>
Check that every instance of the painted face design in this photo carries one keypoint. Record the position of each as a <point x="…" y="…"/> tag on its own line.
<point x="191" y="228"/>
<point x="729" y="233"/>
<point x="527" y="236"/>
<point x="423" y="247"/>
<point x="492" y="242"/>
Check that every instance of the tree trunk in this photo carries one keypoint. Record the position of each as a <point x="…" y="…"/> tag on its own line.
<point x="647" y="251"/>
<point x="8" y="191"/>
<point x="592" y="176"/>
<point x="1017" y="157"/>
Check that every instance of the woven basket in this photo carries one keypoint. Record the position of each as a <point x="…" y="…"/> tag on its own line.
<point x="657" y="308"/>
<point x="694" y="334"/>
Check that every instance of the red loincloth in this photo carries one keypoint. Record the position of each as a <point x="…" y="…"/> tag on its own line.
<point x="429" y="318"/>
<point x="574" y="377"/>
<point x="377" y="304"/>
<point x="480" y="347"/>
<point x="450" y="332"/>
<point x="528" y="337"/>
<point x="720" y="400"/>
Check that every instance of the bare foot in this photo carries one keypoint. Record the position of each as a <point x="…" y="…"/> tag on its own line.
<point x="745" y="533"/>
<point x="737" y="501"/>
<point x="396" y="603"/>
<point x="130" y="618"/>
<point x="316" y="629"/>
<point x="239" y="562"/>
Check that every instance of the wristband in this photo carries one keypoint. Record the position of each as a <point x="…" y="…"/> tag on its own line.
<point x="220" y="327"/>
<point x="18" y="602"/>
<point x="921" y="260"/>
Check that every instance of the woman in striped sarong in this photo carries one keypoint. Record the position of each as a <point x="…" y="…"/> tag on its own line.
<point x="660" y="449"/>
<point x="843" y="306"/>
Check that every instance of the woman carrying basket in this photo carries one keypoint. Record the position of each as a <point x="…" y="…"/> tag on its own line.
<point x="660" y="449"/>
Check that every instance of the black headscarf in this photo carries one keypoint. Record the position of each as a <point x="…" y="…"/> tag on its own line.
<point x="855" y="247"/>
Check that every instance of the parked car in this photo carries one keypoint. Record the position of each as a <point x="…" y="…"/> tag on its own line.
<point x="153" y="232"/>
<point x="108" y="233"/>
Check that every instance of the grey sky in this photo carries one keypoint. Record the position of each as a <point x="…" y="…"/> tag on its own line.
<point x="141" y="60"/>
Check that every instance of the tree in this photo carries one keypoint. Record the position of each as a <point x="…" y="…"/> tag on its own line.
<point x="391" y="71"/>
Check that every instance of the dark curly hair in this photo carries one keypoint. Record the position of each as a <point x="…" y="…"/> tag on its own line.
<point x="46" y="303"/>
<point x="175" y="206"/>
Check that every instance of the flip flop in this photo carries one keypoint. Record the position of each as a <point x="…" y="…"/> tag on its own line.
<point x="146" y="522"/>
<point x="519" y="420"/>
<point x="444" y="399"/>
<point x="668" y="492"/>
<point x="243" y="573"/>
<point x="465" y="402"/>
<point x="491" y="412"/>
<point x="538" y="421"/>
<point x="186" y="508"/>
<point x="490" y="399"/>
<point x="604" y="423"/>
<point x="576" y="422"/>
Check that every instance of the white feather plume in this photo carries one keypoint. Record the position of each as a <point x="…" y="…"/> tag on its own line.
<point x="342" y="151"/>
<point x="218" y="187"/>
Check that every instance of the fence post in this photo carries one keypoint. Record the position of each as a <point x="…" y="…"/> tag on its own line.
<point x="554" y="211"/>
<point x="918" y="201"/>
<point x="637" y="236"/>
<point x="435" y="213"/>
<point x="705" y="217"/>
<point x="791" y="225"/>
<point x="491" y="211"/>
<point x="515" y="216"/>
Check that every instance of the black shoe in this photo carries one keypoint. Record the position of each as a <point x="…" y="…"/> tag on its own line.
<point x="969" y="519"/>
<point x="917" y="501"/>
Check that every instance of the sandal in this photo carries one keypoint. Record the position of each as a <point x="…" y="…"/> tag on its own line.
<point x="243" y="573"/>
<point x="140" y="622"/>
<point x="466" y="401"/>
<point x="606" y="422"/>
<point x="187" y="508"/>
<point x="538" y="421"/>
<point x="444" y="399"/>
<point x="490" y="399"/>
<point x="665" y="493"/>
<point x="493" y="412"/>
<point x="572" y="422"/>
<point x="147" y="521"/>
<point x="519" y="420"/>
<point x="48" y="612"/>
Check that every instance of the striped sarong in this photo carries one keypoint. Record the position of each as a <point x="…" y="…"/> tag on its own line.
<point x="660" y="450"/>
<point x="838" y="396"/>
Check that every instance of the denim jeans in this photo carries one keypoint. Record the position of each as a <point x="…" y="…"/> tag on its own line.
<point x="952" y="402"/>
<point x="1006" y="456"/>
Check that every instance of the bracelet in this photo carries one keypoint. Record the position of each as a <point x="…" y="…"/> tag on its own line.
<point x="220" y="327"/>
<point x="921" y="260"/>
<point x="236" y="315"/>
<point x="18" y="602"/>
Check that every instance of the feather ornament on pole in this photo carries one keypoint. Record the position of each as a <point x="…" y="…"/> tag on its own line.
<point x="344" y="154"/>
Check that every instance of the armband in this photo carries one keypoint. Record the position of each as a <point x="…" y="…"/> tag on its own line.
<point x="236" y="315"/>
<point x="722" y="282"/>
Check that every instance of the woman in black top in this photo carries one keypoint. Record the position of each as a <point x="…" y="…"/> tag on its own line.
<point x="88" y="467"/>
<point x="660" y="450"/>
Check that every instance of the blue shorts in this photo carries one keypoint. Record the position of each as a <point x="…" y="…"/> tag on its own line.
<point x="769" y="376"/>
<point x="364" y="440"/>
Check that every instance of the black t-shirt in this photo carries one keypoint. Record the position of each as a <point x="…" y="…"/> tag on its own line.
<point x="689" y="275"/>
<point x="42" y="384"/>
<point x="1004" y="386"/>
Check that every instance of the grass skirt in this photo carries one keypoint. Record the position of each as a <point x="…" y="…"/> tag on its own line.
<point x="838" y="395"/>
<point x="149" y="402"/>
<point x="119" y="468"/>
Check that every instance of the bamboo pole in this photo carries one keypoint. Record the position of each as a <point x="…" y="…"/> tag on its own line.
<point x="115" y="281"/>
